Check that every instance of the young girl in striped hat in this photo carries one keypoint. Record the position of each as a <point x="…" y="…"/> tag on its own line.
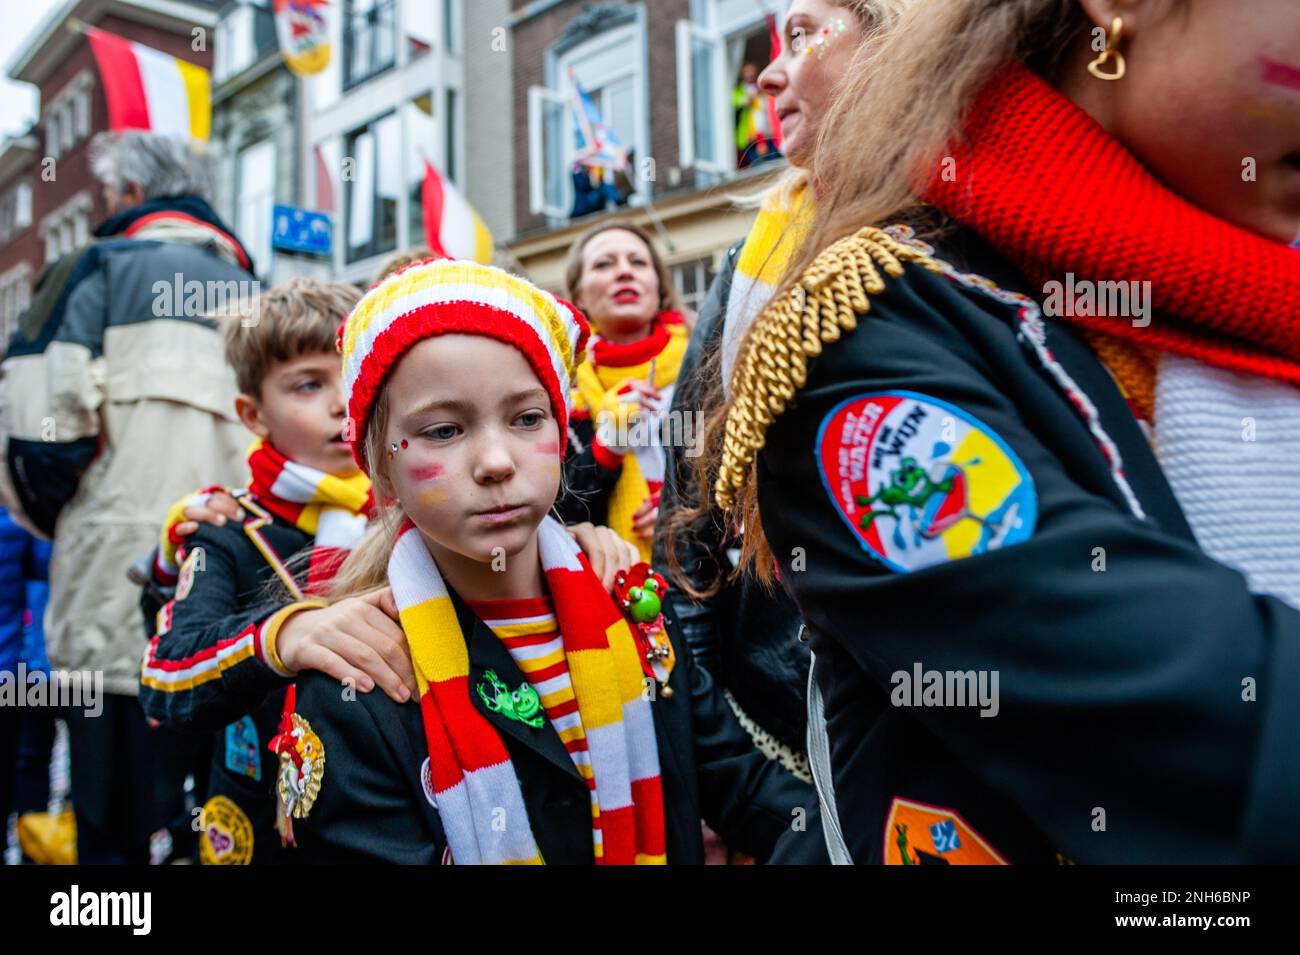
<point x="552" y="724"/>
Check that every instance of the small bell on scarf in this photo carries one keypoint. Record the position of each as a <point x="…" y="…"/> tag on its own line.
<point x="639" y="592"/>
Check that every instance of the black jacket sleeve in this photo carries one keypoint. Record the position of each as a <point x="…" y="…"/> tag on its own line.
<point x="204" y="668"/>
<point x="1124" y="688"/>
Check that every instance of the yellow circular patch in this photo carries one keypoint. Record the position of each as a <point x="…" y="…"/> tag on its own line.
<point x="227" y="837"/>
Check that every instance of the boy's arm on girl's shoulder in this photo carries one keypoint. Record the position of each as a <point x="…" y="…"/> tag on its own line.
<point x="213" y="657"/>
<point x="364" y="811"/>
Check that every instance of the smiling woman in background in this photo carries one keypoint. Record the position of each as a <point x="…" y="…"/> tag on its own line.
<point x="614" y="467"/>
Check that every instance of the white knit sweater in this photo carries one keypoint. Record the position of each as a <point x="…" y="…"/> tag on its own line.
<point x="1230" y="446"/>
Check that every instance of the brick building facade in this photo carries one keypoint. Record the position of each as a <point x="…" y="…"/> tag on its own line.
<point x="65" y="203"/>
<point x="661" y="72"/>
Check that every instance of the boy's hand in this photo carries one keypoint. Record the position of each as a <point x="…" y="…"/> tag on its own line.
<point x="217" y="509"/>
<point x="355" y="639"/>
<point x="606" y="551"/>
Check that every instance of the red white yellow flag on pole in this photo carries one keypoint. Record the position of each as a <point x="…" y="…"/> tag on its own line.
<point x="149" y="90"/>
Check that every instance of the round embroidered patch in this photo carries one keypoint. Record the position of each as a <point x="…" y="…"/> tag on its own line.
<point x="227" y="837"/>
<point x="921" y="482"/>
<point x="426" y="782"/>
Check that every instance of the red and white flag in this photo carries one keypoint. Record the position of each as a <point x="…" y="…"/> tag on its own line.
<point x="324" y="184"/>
<point x="451" y="226"/>
<point x="147" y="89"/>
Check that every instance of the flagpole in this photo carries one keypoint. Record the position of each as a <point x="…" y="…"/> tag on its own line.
<point x="76" y="25"/>
<point x="655" y="221"/>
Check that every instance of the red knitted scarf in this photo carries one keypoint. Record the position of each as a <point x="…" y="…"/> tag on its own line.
<point x="1042" y="182"/>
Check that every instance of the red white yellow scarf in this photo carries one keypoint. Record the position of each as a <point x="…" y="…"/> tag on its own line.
<point x="333" y="510"/>
<point x="472" y="776"/>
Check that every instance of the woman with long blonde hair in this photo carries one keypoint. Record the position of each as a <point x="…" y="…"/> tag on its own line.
<point x="745" y="632"/>
<point x="1019" y="432"/>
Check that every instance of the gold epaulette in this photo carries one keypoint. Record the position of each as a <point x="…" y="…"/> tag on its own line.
<point x="791" y="329"/>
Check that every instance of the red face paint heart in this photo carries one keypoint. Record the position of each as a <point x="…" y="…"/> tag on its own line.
<point x="427" y="473"/>
<point x="548" y="447"/>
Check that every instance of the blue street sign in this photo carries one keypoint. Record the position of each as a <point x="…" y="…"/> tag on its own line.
<point x="301" y="230"/>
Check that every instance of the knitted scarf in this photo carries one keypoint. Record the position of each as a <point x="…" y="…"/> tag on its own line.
<point x="472" y="776"/>
<point x="601" y="388"/>
<point x="333" y="510"/>
<point x="776" y="233"/>
<point x="1041" y="181"/>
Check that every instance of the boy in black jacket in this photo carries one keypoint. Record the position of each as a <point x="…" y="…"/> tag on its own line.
<point x="216" y="663"/>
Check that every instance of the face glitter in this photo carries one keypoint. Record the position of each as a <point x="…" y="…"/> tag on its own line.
<point x="824" y="36"/>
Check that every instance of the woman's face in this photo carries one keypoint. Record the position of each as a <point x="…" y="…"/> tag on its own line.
<point x="618" y="287"/>
<point x="819" y="42"/>
<point x="478" y="460"/>
<point x="1210" y="103"/>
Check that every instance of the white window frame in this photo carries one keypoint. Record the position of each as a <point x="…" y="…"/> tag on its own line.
<point x="53" y="136"/>
<point x="561" y="91"/>
<point x="538" y="96"/>
<point x="722" y="34"/>
<point x="240" y="21"/>
<point x="15" y="296"/>
<point x="23" y="211"/>
<point x="721" y="162"/>
<point x="258" y="233"/>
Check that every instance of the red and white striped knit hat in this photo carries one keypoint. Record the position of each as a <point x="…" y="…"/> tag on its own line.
<point x="449" y="296"/>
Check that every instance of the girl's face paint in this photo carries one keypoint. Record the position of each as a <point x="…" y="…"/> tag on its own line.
<point x="471" y="478"/>
<point x="817" y="49"/>
<point x="548" y="447"/>
<point x="1210" y="105"/>
<point x="431" y="497"/>
<point x="1279" y="74"/>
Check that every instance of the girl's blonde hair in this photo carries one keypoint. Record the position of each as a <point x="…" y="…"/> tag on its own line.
<point x="366" y="567"/>
<point x="902" y="104"/>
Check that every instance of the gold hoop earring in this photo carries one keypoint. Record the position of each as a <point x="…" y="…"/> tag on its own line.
<point x="1111" y="53"/>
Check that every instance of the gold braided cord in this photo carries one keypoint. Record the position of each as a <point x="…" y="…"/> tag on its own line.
<point x="825" y="302"/>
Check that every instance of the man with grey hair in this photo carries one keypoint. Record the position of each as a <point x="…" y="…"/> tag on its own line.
<point x="115" y="401"/>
